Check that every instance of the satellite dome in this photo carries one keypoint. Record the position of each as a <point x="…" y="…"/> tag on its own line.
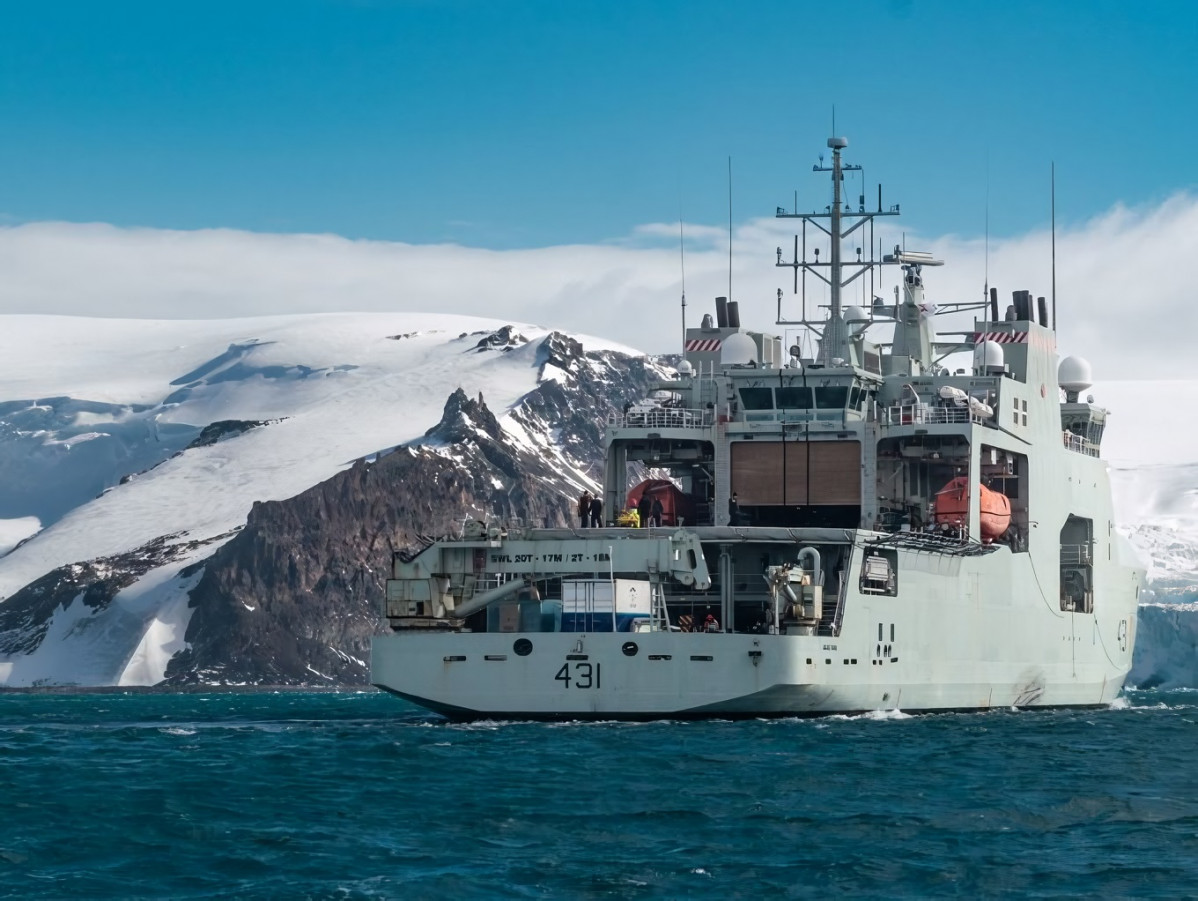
<point x="685" y="368"/>
<point x="1074" y="375"/>
<point x="738" y="349"/>
<point x="986" y="356"/>
<point x="857" y="319"/>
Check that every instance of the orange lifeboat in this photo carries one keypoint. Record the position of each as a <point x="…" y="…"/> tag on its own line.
<point x="952" y="508"/>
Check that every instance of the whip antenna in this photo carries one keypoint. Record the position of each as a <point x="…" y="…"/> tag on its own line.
<point x="986" y="288"/>
<point x="729" y="228"/>
<point x="682" y="258"/>
<point x="1053" y="192"/>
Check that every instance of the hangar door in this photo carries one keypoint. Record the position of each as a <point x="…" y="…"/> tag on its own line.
<point x="796" y="473"/>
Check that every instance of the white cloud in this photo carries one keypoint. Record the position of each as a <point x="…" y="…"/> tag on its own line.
<point x="1124" y="297"/>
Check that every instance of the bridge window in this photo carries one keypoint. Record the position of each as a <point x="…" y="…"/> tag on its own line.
<point x="794" y="398"/>
<point x="836" y="398"/>
<point x="757" y="398"/>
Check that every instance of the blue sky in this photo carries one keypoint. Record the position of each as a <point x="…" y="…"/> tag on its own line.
<point x="525" y="124"/>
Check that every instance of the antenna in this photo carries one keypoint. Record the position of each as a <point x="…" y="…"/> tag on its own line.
<point x="834" y="274"/>
<point x="682" y="255"/>
<point x="1053" y="192"/>
<point x="986" y="289"/>
<point x="729" y="228"/>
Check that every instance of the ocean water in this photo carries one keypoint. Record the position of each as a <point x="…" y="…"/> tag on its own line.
<point x="359" y="795"/>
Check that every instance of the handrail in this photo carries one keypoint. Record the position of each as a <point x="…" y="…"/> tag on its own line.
<point x="1077" y="554"/>
<point x="1078" y="444"/>
<point x="662" y="418"/>
<point x="920" y="414"/>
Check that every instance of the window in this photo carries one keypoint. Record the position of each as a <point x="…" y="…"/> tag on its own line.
<point x="832" y="398"/>
<point x="794" y="398"/>
<point x="1020" y="409"/>
<point x="757" y="398"/>
<point x="1021" y="412"/>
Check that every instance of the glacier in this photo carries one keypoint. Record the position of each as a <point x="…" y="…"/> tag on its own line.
<point x="1166" y="647"/>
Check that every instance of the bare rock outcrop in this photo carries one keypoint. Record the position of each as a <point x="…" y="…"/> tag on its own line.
<point x="295" y="597"/>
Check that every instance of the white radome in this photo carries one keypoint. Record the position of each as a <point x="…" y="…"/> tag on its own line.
<point x="738" y="349"/>
<point x="988" y="355"/>
<point x="1074" y="374"/>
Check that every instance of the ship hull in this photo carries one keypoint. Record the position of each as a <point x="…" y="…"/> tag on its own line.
<point x="960" y="633"/>
<point x="673" y="675"/>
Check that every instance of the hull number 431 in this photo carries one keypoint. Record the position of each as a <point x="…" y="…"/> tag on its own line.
<point x="578" y="675"/>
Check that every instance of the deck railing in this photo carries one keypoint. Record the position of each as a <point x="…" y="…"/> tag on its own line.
<point x="1076" y="554"/>
<point x="921" y="414"/>
<point x="661" y="418"/>
<point x="1079" y="445"/>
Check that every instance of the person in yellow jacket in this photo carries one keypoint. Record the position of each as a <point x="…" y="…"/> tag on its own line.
<point x="629" y="519"/>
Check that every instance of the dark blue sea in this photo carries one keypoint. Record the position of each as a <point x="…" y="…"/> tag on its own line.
<point x="359" y="795"/>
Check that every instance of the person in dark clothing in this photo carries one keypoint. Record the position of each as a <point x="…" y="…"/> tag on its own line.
<point x="597" y="512"/>
<point x="642" y="509"/>
<point x="584" y="509"/>
<point x="733" y="511"/>
<point x="656" y="511"/>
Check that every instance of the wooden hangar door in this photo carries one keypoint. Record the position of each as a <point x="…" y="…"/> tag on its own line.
<point x="835" y="472"/>
<point x="796" y="473"/>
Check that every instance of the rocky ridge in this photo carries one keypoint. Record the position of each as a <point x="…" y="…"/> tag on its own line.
<point x="294" y="596"/>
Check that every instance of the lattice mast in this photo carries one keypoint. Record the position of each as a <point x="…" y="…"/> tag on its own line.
<point x="843" y="221"/>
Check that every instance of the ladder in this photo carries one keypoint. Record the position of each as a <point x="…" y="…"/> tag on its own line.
<point x="722" y="476"/>
<point x="659" y="616"/>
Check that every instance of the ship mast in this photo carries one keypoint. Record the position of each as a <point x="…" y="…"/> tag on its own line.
<point x="834" y="334"/>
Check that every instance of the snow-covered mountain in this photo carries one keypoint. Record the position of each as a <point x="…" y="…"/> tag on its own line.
<point x="218" y="500"/>
<point x="132" y="452"/>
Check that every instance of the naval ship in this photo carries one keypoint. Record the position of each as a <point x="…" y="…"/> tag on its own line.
<point x="898" y="519"/>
